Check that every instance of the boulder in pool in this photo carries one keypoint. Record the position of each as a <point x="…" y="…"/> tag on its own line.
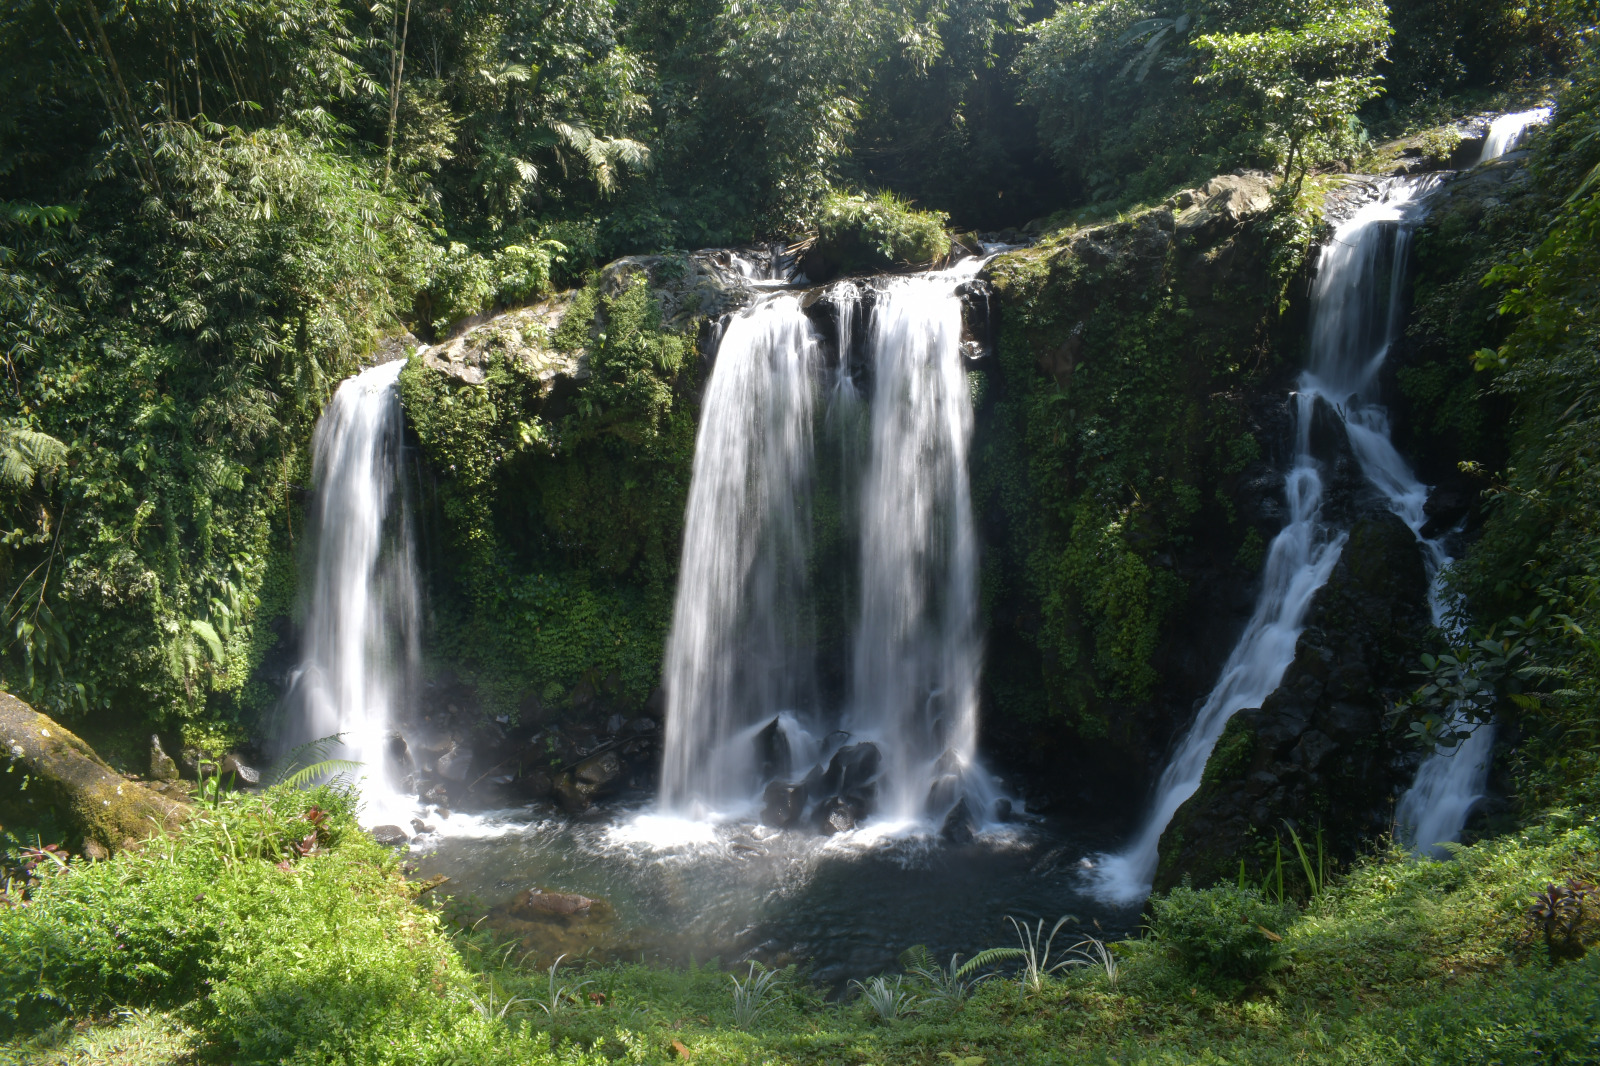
<point x="390" y="836"/>
<point x="536" y="903"/>
<point x="782" y="804"/>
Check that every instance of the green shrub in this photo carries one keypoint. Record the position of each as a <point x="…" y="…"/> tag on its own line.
<point x="857" y="231"/>
<point x="1225" y="931"/>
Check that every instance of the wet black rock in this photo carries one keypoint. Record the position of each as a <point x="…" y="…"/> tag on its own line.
<point x="837" y="815"/>
<point x="943" y="794"/>
<point x="455" y="764"/>
<point x="958" y="824"/>
<point x="599" y="771"/>
<point x="852" y="768"/>
<point x="536" y="784"/>
<point x="390" y="836"/>
<point x="437" y="795"/>
<point x="782" y="804"/>
<point x="574" y="797"/>
<point x="772" y="751"/>
<point x="1317" y="753"/>
<point x="420" y="826"/>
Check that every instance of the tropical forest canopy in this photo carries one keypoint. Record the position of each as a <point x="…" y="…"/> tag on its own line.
<point x="212" y="210"/>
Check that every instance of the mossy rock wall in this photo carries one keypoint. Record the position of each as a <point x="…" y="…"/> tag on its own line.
<point x="1124" y="470"/>
<point x="555" y="447"/>
<point x="1318" y="755"/>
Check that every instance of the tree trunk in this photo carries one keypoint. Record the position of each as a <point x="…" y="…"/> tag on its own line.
<point x="49" y="775"/>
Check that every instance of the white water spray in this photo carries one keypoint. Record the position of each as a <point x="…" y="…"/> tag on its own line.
<point x="361" y="634"/>
<point x="741" y="647"/>
<point x="1507" y="131"/>
<point x="742" y="650"/>
<point x="917" y="648"/>
<point x="1355" y="317"/>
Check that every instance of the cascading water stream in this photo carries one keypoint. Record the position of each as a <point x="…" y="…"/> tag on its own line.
<point x="360" y="647"/>
<point x="743" y="706"/>
<point x="1506" y="132"/>
<point x="917" y="649"/>
<point x="740" y="649"/>
<point x="1356" y="315"/>
<point x="1449" y="783"/>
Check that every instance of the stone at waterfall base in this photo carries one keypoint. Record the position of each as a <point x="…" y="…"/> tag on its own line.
<point x="535" y="904"/>
<point x="390" y="836"/>
<point x="782" y="804"/>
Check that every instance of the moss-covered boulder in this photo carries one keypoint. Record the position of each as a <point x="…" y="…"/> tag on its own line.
<point x="51" y="776"/>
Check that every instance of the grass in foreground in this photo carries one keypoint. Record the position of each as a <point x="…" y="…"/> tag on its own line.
<point x="272" y="930"/>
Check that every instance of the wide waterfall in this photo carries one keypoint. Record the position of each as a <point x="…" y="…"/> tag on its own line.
<point x="1356" y="314"/>
<point x="740" y="652"/>
<point x="361" y="632"/>
<point x="745" y="718"/>
<point x="917" y="651"/>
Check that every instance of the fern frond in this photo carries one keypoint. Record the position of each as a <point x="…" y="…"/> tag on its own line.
<point x="332" y="767"/>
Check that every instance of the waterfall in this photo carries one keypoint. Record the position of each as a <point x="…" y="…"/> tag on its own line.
<point x="744" y="711"/>
<point x="361" y="633"/>
<point x="1356" y="314"/>
<point x="917" y="650"/>
<point x="1506" y="132"/>
<point x="740" y="649"/>
<point x="1450" y="782"/>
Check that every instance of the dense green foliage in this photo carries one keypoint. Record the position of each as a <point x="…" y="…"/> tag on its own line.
<point x="242" y="940"/>
<point x="1111" y="444"/>
<point x="561" y="515"/>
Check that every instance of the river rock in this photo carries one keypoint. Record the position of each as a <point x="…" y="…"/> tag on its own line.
<point x="390" y="836"/>
<point x="852" y="768"/>
<point x="536" y="784"/>
<point x="958" y="824"/>
<point x="232" y="766"/>
<point x="772" y="750"/>
<point x="455" y="764"/>
<point x="163" y="767"/>
<point x="435" y="795"/>
<point x="535" y="903"/>
<point x="599" y="771"/>
<point x="837" y="814"/>
<point x="574" y="796"/>
<point x="782" y="804"/>
<point x="943" y="794"/>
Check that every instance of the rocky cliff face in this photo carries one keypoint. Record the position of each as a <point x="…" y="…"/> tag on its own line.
<point x="1129" y="435"/>
<point x="1318" y="755"/>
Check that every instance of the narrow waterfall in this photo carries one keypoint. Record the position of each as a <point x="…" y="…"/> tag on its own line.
<point x="739" y="654"/>
<point x="362" y="624"/>
<point x="1356" y="314"/>
<point x="1506" y="132"/>
<point x="1450" y="782"/>
<point x="917" y="650"/>
<point x="747" y="724"/>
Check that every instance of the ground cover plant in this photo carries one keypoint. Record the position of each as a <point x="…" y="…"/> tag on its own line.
<point x="273" y="930"/>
